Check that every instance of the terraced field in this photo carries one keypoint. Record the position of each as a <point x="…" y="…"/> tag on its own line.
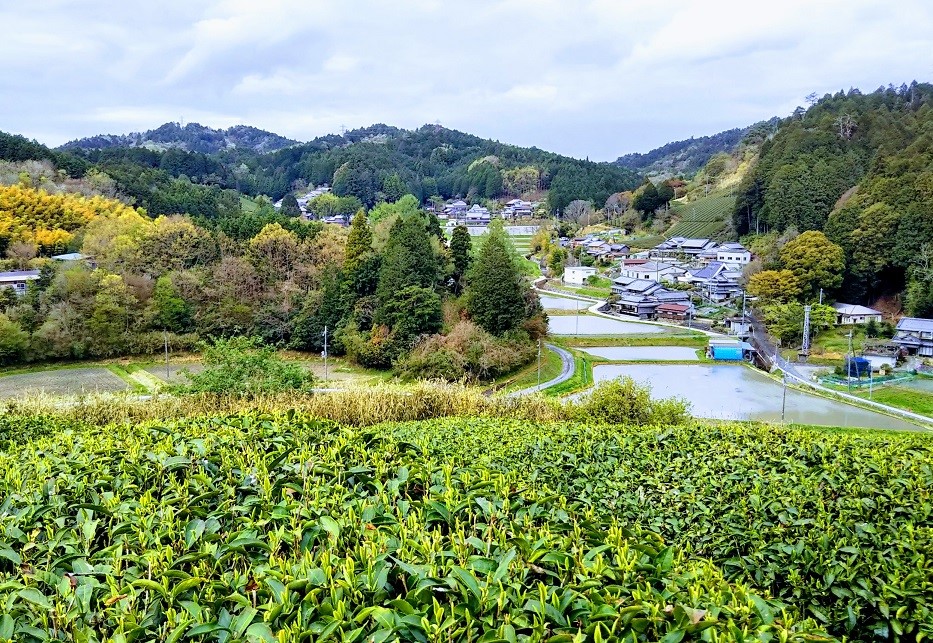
<point x="704" y="217"/>
<point x="522" y="243"/>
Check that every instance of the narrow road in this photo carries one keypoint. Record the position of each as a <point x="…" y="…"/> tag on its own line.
<point x="568" y="366"/>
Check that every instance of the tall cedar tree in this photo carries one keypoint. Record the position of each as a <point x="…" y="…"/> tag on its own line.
<point x="408" y="260"/>
<point x="360" y="239"/>
<point x="496" y="288"/>
<point x="290" y="206"/>
<point x="460" y="247"/>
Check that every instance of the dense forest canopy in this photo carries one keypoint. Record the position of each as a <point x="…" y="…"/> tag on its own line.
<point x="860" y="168"/>
<point x="174" y="170"/>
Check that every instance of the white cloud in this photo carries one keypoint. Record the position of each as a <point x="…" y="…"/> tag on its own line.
<point x="596" y="78"/>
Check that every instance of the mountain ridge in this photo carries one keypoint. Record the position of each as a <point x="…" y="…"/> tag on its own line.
<point x="687" y="156"/>
<point x="192" y="137"/>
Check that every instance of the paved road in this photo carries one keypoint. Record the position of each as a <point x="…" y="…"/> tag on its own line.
<point x="568" y="366"/>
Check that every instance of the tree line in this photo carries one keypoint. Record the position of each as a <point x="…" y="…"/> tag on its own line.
<point x="858" y="167"/>
<point x="392" y="292"/>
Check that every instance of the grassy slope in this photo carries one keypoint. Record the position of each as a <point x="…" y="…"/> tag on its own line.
<point x="903" y="398"/>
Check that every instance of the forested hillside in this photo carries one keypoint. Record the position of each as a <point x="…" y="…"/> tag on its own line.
<point x="684" y="158"/>
<point x="192" y="137"/>
<point x="860" y="168"/>
<point x="429" y="162"/>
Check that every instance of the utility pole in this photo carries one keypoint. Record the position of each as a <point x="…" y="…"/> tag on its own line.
<point x="539" y="363"/>
<point x="324" y="354"/>
<point x="576" y="328"/>
<point x="805" y="349"/>
<point x="784" y="398"/>
<point x="849" y="365"/>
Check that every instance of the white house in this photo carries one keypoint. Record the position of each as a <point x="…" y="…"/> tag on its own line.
<point x="854" y="314"/>
<point x="578" y="274"/>
<point x="733" y="254"/>
<point x="655" y="270"/>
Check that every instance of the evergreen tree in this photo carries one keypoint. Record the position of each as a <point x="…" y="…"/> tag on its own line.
<point x="434" y="226"/>
<point x="290" y="206"/>
<point x="647" y="200"/>
<point x="460" y="247"/>
<point x="171" y="311"/>
<point x="360" y="239"/>
<point x="330" y="309"/>
<point x="496" y="288"/>
<point x="408" y="260"/>
<point x="394" y="188"/>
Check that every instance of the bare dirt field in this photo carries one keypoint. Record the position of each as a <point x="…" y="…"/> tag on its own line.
<point x="67" y="381"/>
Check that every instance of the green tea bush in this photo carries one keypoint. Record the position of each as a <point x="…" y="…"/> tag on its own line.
<point x="625" y="401"/>
<point x="265" y="528"/>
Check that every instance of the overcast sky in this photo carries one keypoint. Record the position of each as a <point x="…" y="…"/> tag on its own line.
<point x="594" y="79"/>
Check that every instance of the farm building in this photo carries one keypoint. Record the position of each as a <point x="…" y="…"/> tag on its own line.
<point x="18" y="279"/>
<point x="578" y="274"/>
<point x="727" y="349"/>
<point x="852" y="314"/>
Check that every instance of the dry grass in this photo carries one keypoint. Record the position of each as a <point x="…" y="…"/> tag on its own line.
<point x="357" y="406"/>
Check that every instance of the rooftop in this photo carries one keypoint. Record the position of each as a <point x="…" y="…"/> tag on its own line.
<point x="19" y="275"/>
<point x="854" y="309"/>
<point x="915" y="324"/>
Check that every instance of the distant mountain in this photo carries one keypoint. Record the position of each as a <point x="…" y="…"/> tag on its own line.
<point x="686" y="157"/>
<point x="192" y="137"/>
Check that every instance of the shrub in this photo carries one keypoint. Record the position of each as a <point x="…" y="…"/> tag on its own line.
<point x="241" y="366"/>
<point x="467" y="353"/>
<point x="625" y="401"/>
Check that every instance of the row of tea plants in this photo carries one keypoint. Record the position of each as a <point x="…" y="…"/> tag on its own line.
<point x="282" y="528"/>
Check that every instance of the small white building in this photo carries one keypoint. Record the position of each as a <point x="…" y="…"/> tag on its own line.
<point x="733" y="254"/>
<point x="578" y="275"/>
<point x="18" y="280"/>
<point x="853" y="314"/>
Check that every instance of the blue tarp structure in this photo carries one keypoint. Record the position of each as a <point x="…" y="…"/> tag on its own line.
<point x="857" y="366"/>
<point x="727" y="352"/>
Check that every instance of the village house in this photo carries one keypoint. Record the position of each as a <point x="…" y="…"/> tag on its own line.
<point x="619" y="250"/>
<point x="578" y="275"/>
<point x="18" y="280"/>
<point x="915" y="335"/>
<point x="847" y="314"/>
<point x="683" y="246"/>
<point x="733" y="255"/>
<point x="477" y="215"/>
<point x="518" y="209"/>
<point x="655" y="270"/>
<point x="643" y="297"/>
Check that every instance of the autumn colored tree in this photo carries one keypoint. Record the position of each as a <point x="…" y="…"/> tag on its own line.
<point x="815" y="261"/>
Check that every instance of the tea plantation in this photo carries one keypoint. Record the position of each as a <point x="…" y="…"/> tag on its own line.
<point x="283" y="528"/>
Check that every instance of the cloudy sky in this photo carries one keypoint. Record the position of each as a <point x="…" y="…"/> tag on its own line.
<point x="594" y="79"/>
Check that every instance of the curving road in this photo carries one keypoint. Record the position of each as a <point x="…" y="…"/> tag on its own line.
<point x="568" y="367"/>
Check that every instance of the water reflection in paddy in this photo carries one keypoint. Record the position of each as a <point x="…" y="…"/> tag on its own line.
<point x="733" y="392"/>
